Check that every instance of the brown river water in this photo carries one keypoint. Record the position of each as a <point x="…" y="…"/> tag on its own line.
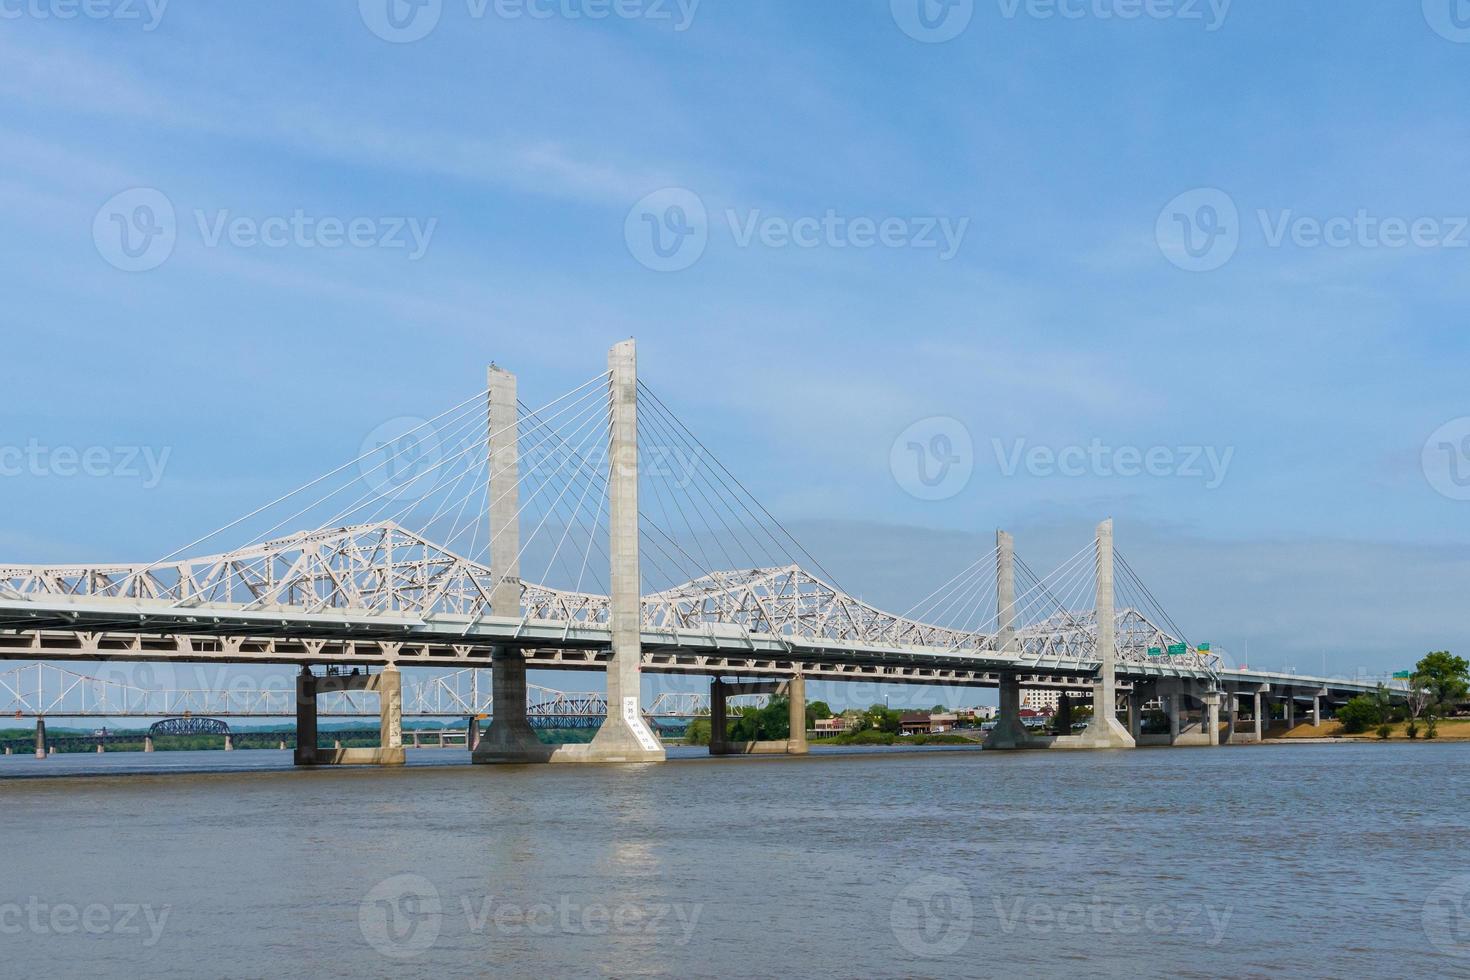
<point x="1313" y="860"/>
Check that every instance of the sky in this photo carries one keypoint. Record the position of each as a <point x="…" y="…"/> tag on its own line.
<point x="914" y="270"/>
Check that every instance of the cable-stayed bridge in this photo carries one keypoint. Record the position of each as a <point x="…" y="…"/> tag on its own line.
<point x="597" y="532"/>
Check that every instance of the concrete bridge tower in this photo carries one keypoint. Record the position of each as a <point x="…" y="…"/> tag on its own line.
<point x="510" y="738"/>
<point x="624" y="736"/>
<point x="1104" y="731"/>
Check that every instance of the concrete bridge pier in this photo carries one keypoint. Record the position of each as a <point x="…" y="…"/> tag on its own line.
<point x="1212" y="718"/>
<point x="100" y="748"/>
<point x="1290" y="711"/>
<point x="229" y="742"/>
<point x="147" y="743"/>
<point x="1009" y="732"/>
<point x="1136" y="698"/>
<point x="1104" y="731"/>
<point x="40" y="738"/>
<point x="1317" y="709"/>
<point x="795" y="743"/>
<point x="389" y="687"/>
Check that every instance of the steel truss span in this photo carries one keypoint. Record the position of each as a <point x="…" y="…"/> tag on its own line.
<point x="387" y="584"/>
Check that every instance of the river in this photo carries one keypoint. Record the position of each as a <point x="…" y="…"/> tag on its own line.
<point x="1312" y="860"/>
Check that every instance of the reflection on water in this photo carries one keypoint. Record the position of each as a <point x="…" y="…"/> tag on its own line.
<point x="1319" y="860"/>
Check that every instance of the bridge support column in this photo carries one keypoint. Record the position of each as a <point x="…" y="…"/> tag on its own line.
<point x="416" y="739"/>
<point x="1009" y="732"/>
<point x="1173" y="703"/>
<point x="40" y="738"/>
<point x="1317" y="710"/>
<point x="306" y="728"/>
<point x="1104" y="731"/>
<point x="100" y="748"/>
<point x="795" y="743"/>
<point x="147" y="743"/>
<point x="1290" y="711"/>
<point x="1260" y="704"/>
<point x="719" y="717"/>
<point x="625" y="736"/>
<point x="1212" y="718"/>
<point x="1135" y="711"/>
<point x="388" y="684"/>
<point x="229" y="743"/>
<point x="510" y="738"/>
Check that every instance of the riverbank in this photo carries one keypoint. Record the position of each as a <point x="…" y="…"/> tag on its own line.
<point x="1450" y="730"/>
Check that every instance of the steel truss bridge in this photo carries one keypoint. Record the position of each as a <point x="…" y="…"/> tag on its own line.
<point x="376" y="583"/>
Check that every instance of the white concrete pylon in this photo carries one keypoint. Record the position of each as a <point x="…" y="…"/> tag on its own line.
<point x="624" y="736"/>
<point x="1104" y="731"/>
<point x="510" y="738"/>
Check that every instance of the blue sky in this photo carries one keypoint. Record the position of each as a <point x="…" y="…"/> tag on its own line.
<point x="1061" y="144"/>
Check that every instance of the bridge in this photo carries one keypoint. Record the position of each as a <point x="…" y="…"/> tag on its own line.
<point x="425" y="568"/>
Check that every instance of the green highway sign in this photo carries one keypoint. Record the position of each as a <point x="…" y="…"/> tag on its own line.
<point x="1177" y="649"/>
<point x="1204" y="648"/>
<point x="1155" y="652"/>
<point x="1402" y="675"/>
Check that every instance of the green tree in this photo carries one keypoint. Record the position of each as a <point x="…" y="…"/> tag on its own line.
<point x="1445" y="676"/>
<point x="769" y="724"/>
<point x="817" y="711"/>
<point x="698" y="732"/>
<point x="1358" y="714"/>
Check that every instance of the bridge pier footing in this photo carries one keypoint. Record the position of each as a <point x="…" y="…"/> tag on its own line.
<point x="1009" y="732"/>
<point x="40" y="738"/>
<point x="147" y="743"/>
